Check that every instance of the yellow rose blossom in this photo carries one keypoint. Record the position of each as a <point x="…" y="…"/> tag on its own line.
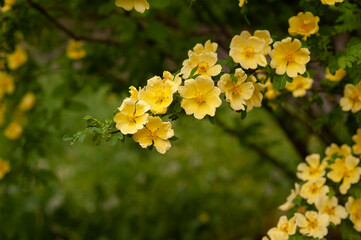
<point x="176" y="79"/>
<point x="313" y="224"/>
<point x="266" y="36"/>
<point x="288" y="57"/>
<point x="351" y="100"/>
<point x="4" y="168"/>
<point x="343" y="151"/>
<point x="6" y="84"/>
<point x="304" y="24"/>
<point x="313" y="170"/>
<point x="356" y="148"/>
<point x="288" y="227"/>
<point x="313" y="189"/>
<point x="330" y="2"/>
<point x="299" y="86"/>
<point x="205" y="63"/>
<point x="155" y="132"/>
<point x="27" y="102"/>
<point x="208" y="47"/>
<point x="339" y="75"/>
<point x="200" y="97"/>
<point x="139" y="5"/>
<point x="17" y="58"/>
<point x="247" y="50"/>
<point x="132" y="116"/>
<point x="133" y="93"/>
<point x="257" y="96"/>
<point x="289" y="203"/>
<point x="236" y="92"/>
<point x="158" y="94"/>
<point x="75" y="50"/>
<point x="351" y="173"/>
<point x="13" y="131"/>
<point x="353" y="207"/>
<point x="8" y="5"/>
<point x="329" y="206"/>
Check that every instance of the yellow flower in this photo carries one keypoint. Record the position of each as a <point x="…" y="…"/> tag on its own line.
<point x="303" y="24"/>
<point x="176" y="79"/>
<point x="270" y="90"/>
<point x="205" y="63"/>
<point x="329" y="206"/>
<point x="313" y="224"/>
<point x="75" y="50"/>
<point x="276" y="234"/>
<point x="315" y="169"/>
<point x="6" y="84"/>
<point x="236" y="92"/>
<point x="4" y="168"/>
<point x="242" y="2"/>
<point x="139" y="5"/>
<point x="27" y="102"/>
<point x="132" y="116"/>
<point x="343" y="151"/>
<point x="158" y="94"/>
<point x="133" y="93"/>
<point x="330" y="2"/>
<point x="289" y="203"/>
<point x="8" y="5"/>
<point x="248" y="50"/>
<point x="200" y="97"/>
<point x="266" y="36"/>
<point x="155" y="132"/>
<point x="13" y="131"/>
<point x="288" y="227"/>
<point x="257" y="97"/>
<point x="351" y="173"/>
<point x="288" y="57"/>
<point x="299" y="86"/>
<point x="17" y="58"/>
<point x="208" y="47"/>
<point x="313" y="189"/>
<point x="353" y="206"/>
<point x="339" y="75"/>
<point x="352" y="98"/>
<point x="356" y="148"/>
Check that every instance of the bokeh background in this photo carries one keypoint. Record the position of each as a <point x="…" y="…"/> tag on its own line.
<point x="219" y="181"/>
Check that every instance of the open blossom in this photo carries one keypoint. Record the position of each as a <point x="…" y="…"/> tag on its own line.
<point x="313" y="169"/>
<point x="132" y="116"/>
<point x="351" y="100"/>
<point x="288" y="57"/>
<point x="4" y="168"/>
<point x="177" y="80"/>
<point x="330" y="2"/>
<point x="236" y="92"/>
<point x="286" y="226"/>
<point x="353" y="207"/>
<point x="205" y="63"/>
<point x="248" y="50"/>
<point x="356" y="148"/>
<point x="27" y="102"/>
<point x="155" y="132"/>
<point x="334" y="150"/>
<point x="303" y="24"/>
<point x="257" y="96"/>
<point x="329" y="206"/>
<point x="266" y="36"/>
<point x="207" y="47"/>
<point x="299" y="86"/>
<point x="139" y="5"/>
<point x="200" y="97"/>
<point x="75" y="50"/>
<point x="13" y="131"/>
<point x="289" y="203"/>
<point x="313" y="189"/>
<point x="17" y="58"/>
<point x="313" y="224"/>
<point x="6" y="84"/>
<point x="158" y="94"/>
<point x="338" y="76"/>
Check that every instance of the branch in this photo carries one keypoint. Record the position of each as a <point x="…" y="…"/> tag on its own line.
<point x="66" y="30"/>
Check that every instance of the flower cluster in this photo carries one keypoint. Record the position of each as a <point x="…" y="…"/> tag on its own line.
<point x="318" y="204"/>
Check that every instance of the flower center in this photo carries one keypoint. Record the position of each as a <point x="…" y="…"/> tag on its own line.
<point x="200" y="98"/>
<point x="160" y="97"/>
<point x="314" y="171"/>
<point x="284" y="228"/>
<point x="202" y="67"/>
<point x="289" y="57"/>
<point x="312" y="224"/>
<point x="131" y="118"/>
<point x="329" y="210"/>
<point x="249" y="51"/>
<point x="314" y="189"/>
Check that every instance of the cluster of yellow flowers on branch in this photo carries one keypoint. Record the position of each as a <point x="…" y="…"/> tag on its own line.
<point x="315" y="202"/>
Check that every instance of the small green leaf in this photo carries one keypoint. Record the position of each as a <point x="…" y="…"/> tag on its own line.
<point x="194" y="70"/>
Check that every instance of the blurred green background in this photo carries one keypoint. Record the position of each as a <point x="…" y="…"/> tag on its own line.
<point x="212" y="184"/>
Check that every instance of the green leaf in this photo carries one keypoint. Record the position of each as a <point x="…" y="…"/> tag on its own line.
<point x="194" y="70"/>
<point x="234" y="79"/>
